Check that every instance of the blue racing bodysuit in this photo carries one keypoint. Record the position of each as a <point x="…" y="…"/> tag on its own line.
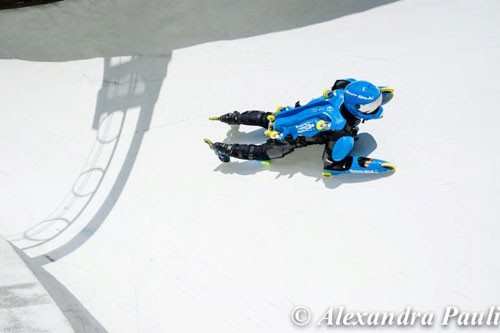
<point x="331" y="120"/>
<point x="323" y="120"/>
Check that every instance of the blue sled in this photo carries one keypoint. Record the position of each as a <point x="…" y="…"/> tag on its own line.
<point x="361" y="165"/>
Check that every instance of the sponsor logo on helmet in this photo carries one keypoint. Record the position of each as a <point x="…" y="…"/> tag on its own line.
<point x="369" y="98"/>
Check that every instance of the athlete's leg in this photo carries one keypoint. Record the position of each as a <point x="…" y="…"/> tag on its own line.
<point x="270" y="150"/>
<point x="252" y="118"/>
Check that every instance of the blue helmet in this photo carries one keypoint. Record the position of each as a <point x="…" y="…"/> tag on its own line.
<point x="363" y="100"/>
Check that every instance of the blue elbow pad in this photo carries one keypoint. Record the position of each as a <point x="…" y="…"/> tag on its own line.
<point x="342" y="148"/>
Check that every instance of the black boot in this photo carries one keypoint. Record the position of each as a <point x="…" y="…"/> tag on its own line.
<point x="222" y="150"/>
<point x="232" y="118"/>
<point x="270" y="150"/>
<point x="251" y="118"/>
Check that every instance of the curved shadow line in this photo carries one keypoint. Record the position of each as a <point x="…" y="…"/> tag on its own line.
<point x="104" y="210"/>
<point x="146" y="101"/>
<point x="74" y="189"/>
<point x="34" y="239"/>
<point x="89" y="200"/>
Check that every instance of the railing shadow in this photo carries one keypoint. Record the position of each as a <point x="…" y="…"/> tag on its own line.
<point x="129" y="83"/>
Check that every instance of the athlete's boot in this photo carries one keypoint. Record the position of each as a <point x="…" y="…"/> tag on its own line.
<point x="251" y="118"/>
<point x="222" y="150"/>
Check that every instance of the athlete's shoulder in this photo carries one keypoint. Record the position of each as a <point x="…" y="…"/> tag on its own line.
<point x="335" y="100"/>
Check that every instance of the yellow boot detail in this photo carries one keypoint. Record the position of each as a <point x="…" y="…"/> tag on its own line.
<point x="387" y="90"/>
<point x="389" y="165"/>
<point x="214" y="118"/>
<point x="326" y="93"/>
<point x="265" y="164"/>
<point x="326" y="174"/>
<point x="208" y="142"/>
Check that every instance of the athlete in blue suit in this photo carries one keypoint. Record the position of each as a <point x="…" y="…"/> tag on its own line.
<point x="331" y="119"/>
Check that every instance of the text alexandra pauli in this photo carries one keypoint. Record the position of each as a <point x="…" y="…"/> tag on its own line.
<point x="451" y="315"/>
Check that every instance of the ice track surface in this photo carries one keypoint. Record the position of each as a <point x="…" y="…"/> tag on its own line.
<point x="132" y="223"/>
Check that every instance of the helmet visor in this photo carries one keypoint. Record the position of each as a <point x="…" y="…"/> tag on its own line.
<point x="371" y="107"/>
